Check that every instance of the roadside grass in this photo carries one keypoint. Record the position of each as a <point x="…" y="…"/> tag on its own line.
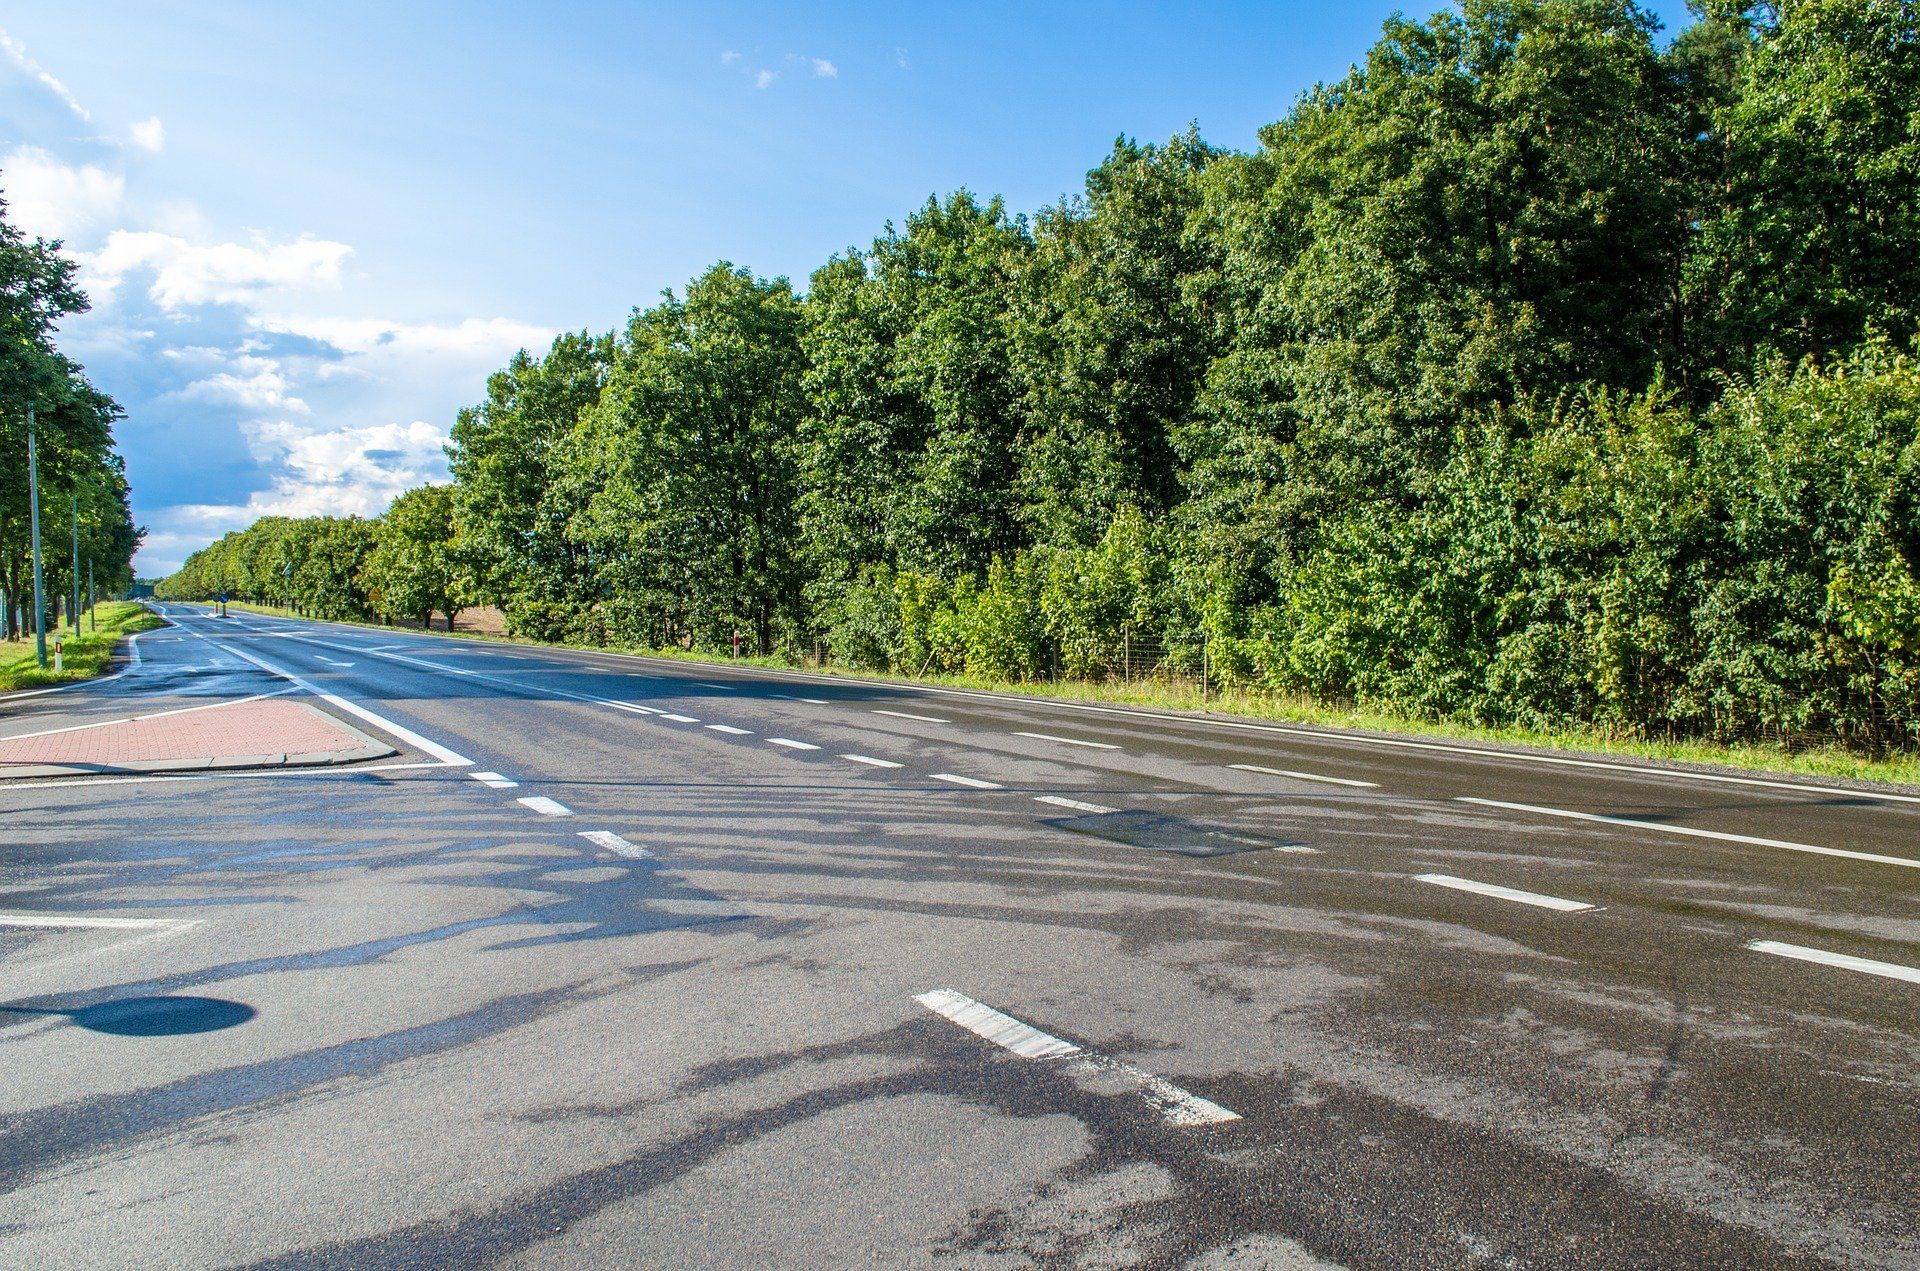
<point x="86" y="655"/>
<point x="1185" y="697"/>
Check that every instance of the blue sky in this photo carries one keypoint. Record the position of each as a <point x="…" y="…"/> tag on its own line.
<point x="311" y="230"/>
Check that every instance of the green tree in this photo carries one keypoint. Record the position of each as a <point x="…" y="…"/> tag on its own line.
<point x="419" y="560"/>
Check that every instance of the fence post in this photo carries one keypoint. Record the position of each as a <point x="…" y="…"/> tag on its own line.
<point x="1205" y="649"/>
<point x="1126" y="653"/>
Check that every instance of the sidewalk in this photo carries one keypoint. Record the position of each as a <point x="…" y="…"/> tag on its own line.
<point x="250" y="733"/>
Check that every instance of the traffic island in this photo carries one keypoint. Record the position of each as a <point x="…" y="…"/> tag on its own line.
<point x="269" y="733"/>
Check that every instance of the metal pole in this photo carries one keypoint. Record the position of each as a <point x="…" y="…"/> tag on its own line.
<point x="93" y="602"/>
<point x="76" y="563"/>
<point x="39" y="579"/>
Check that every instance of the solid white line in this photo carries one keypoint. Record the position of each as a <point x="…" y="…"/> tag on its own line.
<point x="1075" y="804"/>
<point x="1703" y="834"/>
<point x="871" y="762"/>
<point x="790" y="744"/>
<point x="975" y="782"/>
<point x="680" y="719"/>
<point x="330" y="661"/>
<point x="925" y="719"/>
<point x="724" y="688"/>
<point x="183" y="710"/>
<point x="1179" y="1107"/>
<point x="81" y="920"/>
<point x="614" y="843"/>
<point x="1070" y="741"/>
<point x="1504" y="893"/>
<point x="1892" y="970"/>
<point x="730" y="730"/>
<point x="133" y="648"/>
<point x="493" y="779"/>
<point x="1305" y="776"/>
<point x="544" y="806"/>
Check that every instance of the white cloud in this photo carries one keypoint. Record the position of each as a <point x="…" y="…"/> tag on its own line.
<point x="764" y="78"/>
<point x="185" y="273"/>
<point x="729" y="57"/>
<point x="17" y="54"/>
<point x="255" y="383"/>
<point x="47" y="198"/>
<point x="474" y="337"/>
<point x="149" y="134"/>
<point x="825" y="69"/>
<point x="346" y="471"/>
<point x="900" y="59"/>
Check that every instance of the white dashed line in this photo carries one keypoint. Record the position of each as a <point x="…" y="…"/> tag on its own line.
<point x="88" y="920"/>
<point x="974" y="782"/>
<point x="730" y="730"/>
<point x="724" y="688"/>
<point x="1100" y="1072"/>
<point x="1070" y="741"/>
<point x="1305" y="776"/>
<point x="1909" y="862"/>
<point x="790" y="744"/>
<point x="1892" y="970"/>
<point x="1059" y="802"/>
<point x="493" y="779"/>
<point x="871" y="762"/>
<point x="617" y="845"/>
<point x="680" y="719"/>
<point x="1504" y="893"/>
<point x="925" y="719"/>
<point x="546" y="807"/>
<point x="811" y="701"/>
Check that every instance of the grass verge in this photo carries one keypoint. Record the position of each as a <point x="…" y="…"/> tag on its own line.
<point x="86" y="654"/>
<point x="1824" y="761"/>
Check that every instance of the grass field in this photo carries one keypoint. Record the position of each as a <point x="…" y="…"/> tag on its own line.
<point x="87" y="654"/>
<point x="1828" y="761"/>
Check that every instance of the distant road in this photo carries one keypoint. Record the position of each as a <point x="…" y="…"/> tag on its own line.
<point x="627" y="961"/>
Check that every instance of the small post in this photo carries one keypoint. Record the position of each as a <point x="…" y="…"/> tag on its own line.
<point x="1204" y="667"/>
<point x="59" y="646"/>
<point x="93" y="602"/>
<point x="39" y="578"/>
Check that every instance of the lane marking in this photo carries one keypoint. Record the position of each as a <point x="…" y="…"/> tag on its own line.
<point x="1720" y="835"/>
<point x="790" y="744"/>
<point x="493" y="779"/>
<point x="871" y="762"/>
<point x="133" y="650"/>
<point x="614" y="843"/>
<point x="1505" y="893"/>
<point x="724" y="688"/>
<point x="925" y="719"/>
<point x="330" y="661"/>
<point x="730" y="730"/>
<point x="85" y="920"/>
<point x="1070" y="741"/>
<point x="1075" y="804"/>
<point x="974" y="782"/>
<point x="811" y="701"/>
<point x="1305" y="776"/>
<point x="132" y="719"/>
<point x="544" y="806"/>
<point x="1179" y="1107"/>
<point x="679" y="719"/>
<point x="1892" y="970"/>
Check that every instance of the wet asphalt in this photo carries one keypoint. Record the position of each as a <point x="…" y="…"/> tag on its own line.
<point x="392" y="1016"/>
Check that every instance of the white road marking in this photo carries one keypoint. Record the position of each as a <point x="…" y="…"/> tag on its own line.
<point x="330" y="661"/>
<point x="1070" y="741"/>
<point x="1305" y="776"/>
<point x="614" y="843"/>
<point x="974" y="782"/>
<point x="1075" y="804"/>
<point x="89" y="920"/>
<point x="1720" y="835"/>
<point x="681" y="719"/>
<point x="544" y="806"/>
<point x="1180" y="1107"/>
<point x="1504" y="893"/>
<point x="871" y="762"/>
<point x="724" y="688"/>
<point x="811" y="701"/>
<point x="924" y="719"/>
<point x="493" y="779"/>
<point x="183" y="710"/>
<point x="133" y="650"/>
<point x="730" y="730"/>
<point x="791" y="744"/>
<point x="1892" y="970"/>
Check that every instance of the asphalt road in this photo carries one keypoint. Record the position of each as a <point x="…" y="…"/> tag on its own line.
<point x="631" y="962"/>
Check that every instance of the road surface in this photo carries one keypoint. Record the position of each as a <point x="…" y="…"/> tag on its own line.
<point x="625" y="961"/>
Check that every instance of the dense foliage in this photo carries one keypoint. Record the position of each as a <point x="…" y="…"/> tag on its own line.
<point x="73" y="431"/>
<point x="1535" y="372"/>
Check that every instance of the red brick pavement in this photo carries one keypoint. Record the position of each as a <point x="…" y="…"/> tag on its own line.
<point x="274" y="726"/>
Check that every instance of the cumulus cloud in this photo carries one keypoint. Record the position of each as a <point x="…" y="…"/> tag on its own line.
<point x="729" y="57"/>
<point x="345" y="471"/>
<point x="764" y="78"/>
<point x="149" y="134"/>
<point x="825" y="69"/>
<point x="16" y="53"/>
<point x="50" y="199"/>
<point x="482" y="337"/>
<point x="185" y="273"/>
<point x="251" y="382"/>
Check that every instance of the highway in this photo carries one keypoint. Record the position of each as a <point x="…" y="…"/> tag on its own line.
<point x="630" y="961"/>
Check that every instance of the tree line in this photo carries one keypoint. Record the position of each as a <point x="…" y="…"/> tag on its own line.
<point x="83" y="482"/>
<point x="1535" y="372"/>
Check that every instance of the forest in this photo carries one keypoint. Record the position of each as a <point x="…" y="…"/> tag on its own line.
<point x="83" y="482"/>
<point x="1545" y="370"/>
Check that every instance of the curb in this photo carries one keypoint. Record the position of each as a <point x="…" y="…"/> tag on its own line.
<point x="368" y="749"/>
